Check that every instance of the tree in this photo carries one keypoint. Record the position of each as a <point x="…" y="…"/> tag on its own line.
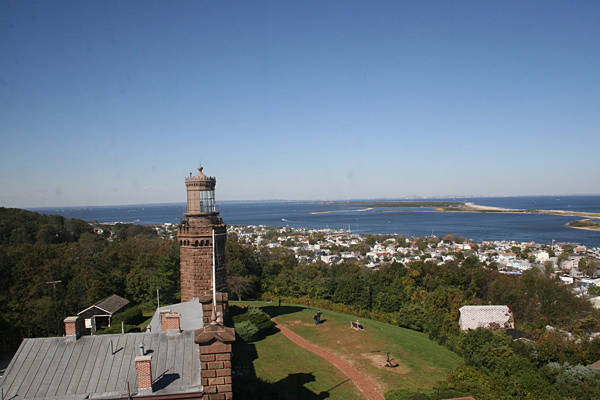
<point x="449" y="237"/>
<point x="562" y="257"/>
<point x="239" y="285"/>
<point x="594" y="290"/>
<point x="546" y="301"/>
<point x="548" y="268"/>
<point x="241" y="259"/>
<point x="588" y="266"/>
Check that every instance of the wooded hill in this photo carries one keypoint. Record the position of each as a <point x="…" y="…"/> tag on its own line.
<point x="550" y="362"/>
<point x="52" y="267"/>
<point x="36" y="250"/>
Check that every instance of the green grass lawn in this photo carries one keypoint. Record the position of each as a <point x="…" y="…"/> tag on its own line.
<point x="293" y="372"/>
<point x="422" y="362"/>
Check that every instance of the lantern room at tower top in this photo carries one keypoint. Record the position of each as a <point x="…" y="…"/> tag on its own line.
<point x="200" y="194"/>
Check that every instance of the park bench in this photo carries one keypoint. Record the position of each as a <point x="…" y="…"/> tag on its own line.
<point x="356" y="325"/>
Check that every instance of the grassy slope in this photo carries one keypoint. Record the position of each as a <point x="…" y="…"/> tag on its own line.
<point x="422" y="361"/>
<point x="293" y="372"/>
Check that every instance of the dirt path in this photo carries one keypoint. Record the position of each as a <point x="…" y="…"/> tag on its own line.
<point x="363" y="384"/>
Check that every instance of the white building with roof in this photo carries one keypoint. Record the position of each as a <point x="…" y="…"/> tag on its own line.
<point x="488" y="317"/>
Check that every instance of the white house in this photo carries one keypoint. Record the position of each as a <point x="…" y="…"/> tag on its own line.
<point x="488" y="317"/>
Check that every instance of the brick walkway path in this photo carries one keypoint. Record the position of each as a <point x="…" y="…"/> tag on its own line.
<point x="363" y="384"/>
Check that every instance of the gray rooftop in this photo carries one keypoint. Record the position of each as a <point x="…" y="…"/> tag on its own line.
<point x="110" y="304"/>
<point x="59" y="368"/>
<point x="190" y="314"/>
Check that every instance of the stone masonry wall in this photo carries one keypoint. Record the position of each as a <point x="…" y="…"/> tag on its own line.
<point x="196" y="261"/>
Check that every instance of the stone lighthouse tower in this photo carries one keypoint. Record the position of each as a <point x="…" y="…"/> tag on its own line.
<point x="202" y="235"/>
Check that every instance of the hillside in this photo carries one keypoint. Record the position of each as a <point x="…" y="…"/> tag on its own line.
<point x="51" y="267"/>
<point x="422" y="363"/>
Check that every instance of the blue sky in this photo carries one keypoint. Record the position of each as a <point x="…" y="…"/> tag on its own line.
<point x="115" y="102"/>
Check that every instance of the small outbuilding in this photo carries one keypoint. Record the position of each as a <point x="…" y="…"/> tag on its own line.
<point x="488" y="317"/>
<point x="98" y="316"/>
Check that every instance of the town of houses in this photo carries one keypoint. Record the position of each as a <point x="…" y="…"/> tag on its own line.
<point x="561" y="260"/>
<point x="566" y="261"/>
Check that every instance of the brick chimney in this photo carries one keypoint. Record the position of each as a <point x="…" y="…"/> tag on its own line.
<point x="73" y="327"/>
<point x="163" y="318"/>
<point x="171" y="322"/>
<point x="143" y="365"/>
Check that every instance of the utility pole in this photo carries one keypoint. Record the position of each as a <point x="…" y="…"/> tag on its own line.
<point x="53" y="283"/>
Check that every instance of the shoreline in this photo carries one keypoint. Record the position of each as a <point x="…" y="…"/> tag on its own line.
<point x="592" y="225"/>
<point x="476" y="208"/>
<point x="337" y="211"/>
<point x="582" y="228"/>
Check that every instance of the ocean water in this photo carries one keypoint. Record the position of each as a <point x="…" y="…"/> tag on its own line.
<point x="322" y="215"/>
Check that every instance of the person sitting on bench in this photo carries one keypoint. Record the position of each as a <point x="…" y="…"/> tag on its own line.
<point x="357" y="325"/>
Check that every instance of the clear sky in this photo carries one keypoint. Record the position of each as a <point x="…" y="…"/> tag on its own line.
<point x="115" y="102"/>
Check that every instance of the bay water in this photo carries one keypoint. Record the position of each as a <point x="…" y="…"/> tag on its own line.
<point x="409" y="222"/>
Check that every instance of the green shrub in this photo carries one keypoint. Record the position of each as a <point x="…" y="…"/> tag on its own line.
<point x="246" y="330"/>
<point x="131" y="316"/>
<point x="116" y="328"/>
<point x="259" y="318"/>
<point x="579" y="381"/>
<point x="255" y="315"/>
<point x="252" y="323"/>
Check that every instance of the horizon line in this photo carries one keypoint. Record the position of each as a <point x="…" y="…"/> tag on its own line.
<point x="314" y="200"/>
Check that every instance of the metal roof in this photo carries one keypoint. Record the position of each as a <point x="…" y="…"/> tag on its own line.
<point x="90" y="367"/>
<point x="190" y="313"/>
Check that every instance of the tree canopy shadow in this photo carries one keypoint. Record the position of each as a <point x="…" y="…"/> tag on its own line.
<point x="294" y="389"/>
<point x="276" y="310"/>
<point x="246" y="385"/>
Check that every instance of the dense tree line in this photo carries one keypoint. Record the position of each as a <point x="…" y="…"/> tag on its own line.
<point x="550" y="363"/>
<point x="25" y="227"/>
<point x="52" y="267"/>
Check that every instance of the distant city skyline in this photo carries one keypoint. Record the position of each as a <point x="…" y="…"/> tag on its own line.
<point x="113" y="103"/>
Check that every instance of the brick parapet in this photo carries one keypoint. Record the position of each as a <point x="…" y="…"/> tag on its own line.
<point x="215" y="360"/>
